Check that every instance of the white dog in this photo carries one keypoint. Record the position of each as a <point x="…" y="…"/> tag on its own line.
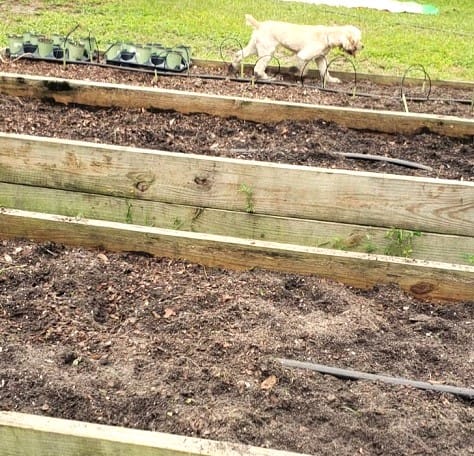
<point x="308" y="42"/>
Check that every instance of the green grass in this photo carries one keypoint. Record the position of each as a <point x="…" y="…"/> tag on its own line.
<point x="443" y="44"/>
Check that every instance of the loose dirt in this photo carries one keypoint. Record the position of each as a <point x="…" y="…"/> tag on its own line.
<point x="313" y="143"/>
<point x="159" y="344"/>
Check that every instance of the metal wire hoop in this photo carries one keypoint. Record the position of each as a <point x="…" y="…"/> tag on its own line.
<point x="221" y="46"/>
<point x="336" y="59"/>
<point x="272" y="57"/>
<point x="221" y="53"/>
<point x="427" y="78"/>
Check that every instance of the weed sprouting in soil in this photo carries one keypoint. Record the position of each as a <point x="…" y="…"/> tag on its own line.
<point x="177" y="223"/>
<point x="248" y="192"/>
<point x="400" y="242"/>
<point x="128" y="216"/>
<point x="469" y="257"/>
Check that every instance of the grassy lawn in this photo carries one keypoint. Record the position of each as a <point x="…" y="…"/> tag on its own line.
<point x="443" y="44"/>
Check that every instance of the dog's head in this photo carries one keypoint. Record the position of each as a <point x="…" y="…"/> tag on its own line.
<point x="351" y="40"/>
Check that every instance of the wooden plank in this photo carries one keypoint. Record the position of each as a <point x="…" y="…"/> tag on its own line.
<point x="360" y="198"/>
<point x="125" y="96"/>
<point x="424" y="279"/>
<point x="348" y="76"/>
<point x="30" y="435"/>
<point x="355" y="238"/>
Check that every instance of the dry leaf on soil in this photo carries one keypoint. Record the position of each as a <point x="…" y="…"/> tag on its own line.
<point x="269" y="383"/>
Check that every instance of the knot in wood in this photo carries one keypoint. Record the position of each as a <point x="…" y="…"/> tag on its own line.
<point x="422" y="288"/>
<point x="203" y="181"/>
<point x="142" y="186"/>
<point x="141" y="181"/>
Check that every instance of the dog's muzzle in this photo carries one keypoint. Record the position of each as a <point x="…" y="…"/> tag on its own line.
<point x="353" y="51"/>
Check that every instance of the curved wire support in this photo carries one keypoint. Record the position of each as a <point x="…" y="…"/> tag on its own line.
<point x="90" y="53"/>
<point x="221" y="53"/>
<point x="335" y="59"/>
<point x="426" y="79"/>
<point x="109" y="48"/>
<point x="71" y="32"/>
<point x="225" y="40"/>
<point x="303" y="72"/>
<point x="272" y="57"/>
<point x="65" y="43"/>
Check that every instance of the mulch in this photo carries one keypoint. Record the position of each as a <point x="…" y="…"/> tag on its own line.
<point x="159" y="344"/>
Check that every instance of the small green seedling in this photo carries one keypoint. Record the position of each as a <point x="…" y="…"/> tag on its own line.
<point x="469" y="257"/>
<point x="128" y="216"/>
<point x="248" y="191"/>
<point x="177" y="223"/>
<point x="368" y="245"/>
<point x="400" y="242"/>
<point x="356" y="241"/>
<point x="338" y="243"/>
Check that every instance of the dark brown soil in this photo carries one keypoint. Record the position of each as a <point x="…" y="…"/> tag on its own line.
<point x="165" y="345"/>
<point x="158" y="344"/>
<point x="307" y="143"/>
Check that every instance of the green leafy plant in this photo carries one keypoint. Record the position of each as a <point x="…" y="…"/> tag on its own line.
<point x="355" y="241"/>
<point x="248" y="192"/>
<point x="469" y="257"/>
<point x="177" y="223"/>
<point x="368" y="245"/>
<point x="400" y="242"/>
<point x="338" y="243"/>
<point x="128" y="216"/>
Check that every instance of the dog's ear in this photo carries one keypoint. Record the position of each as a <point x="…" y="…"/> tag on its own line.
<point x="351" y="40"/>
<point x="346" y="42"/>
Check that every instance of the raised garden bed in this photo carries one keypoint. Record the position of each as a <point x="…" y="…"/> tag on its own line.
<point x="212" y="364"/>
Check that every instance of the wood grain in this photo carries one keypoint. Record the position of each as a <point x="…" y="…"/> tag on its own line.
<point x="30" y="435"/>
<point x="424" y="279"/>
<point x="126" y="96"/>
<point x="359" y="198"/>
<point x="348" y="76"/>
<point x="315" y="233"/>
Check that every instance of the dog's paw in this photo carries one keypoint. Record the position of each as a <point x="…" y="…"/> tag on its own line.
<point x="295" y="72"/>
<point x="232" y="69"/>
<point x="262" y="76"/>
<point x="333" y="80"/>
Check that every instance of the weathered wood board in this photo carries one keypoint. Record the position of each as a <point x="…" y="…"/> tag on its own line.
<point x="359" y="198"/>
<point x="125" y="96"/>
<point x="33" y="435"/>
<point x="350" y="75"/>
<point x="314" y="233"/>
<point x="423" y="279"/>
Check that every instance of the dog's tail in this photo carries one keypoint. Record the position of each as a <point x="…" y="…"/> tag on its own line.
<point x="250" y="20"/>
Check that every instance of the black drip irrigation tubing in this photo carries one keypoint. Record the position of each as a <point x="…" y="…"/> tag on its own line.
<point x="184" y="73"/>
<point x="349" y="374"/>
<point x="395" y="161"/>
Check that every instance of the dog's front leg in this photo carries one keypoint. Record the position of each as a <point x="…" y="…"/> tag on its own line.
<point x="318" y="53"/>
<point x="323" y="70"/>
<point x="248" y="50"/>
<point x="261" y="66"/>
<point x="303" y="57"/>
